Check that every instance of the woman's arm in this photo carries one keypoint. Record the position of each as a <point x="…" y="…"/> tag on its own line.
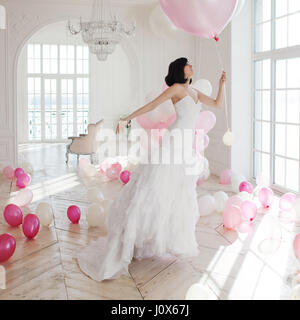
<point x="167" y="94"/>
<point x="217" y="103"/>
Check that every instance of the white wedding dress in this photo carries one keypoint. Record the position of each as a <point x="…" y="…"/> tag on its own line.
<point x="154" y="214"/>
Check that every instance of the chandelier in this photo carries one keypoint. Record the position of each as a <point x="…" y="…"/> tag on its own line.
<point x="104" y="31"/>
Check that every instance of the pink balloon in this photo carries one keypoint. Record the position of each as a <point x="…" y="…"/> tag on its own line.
<point x="118" y="167"/>
<point x="9" y="172"/>
<point x="248" y="210"/>
<point x="13" y="215"/>
<point x="234" y="201"/>
<point x="74" y="214"/>
<point x="286" y="202"/>
<point x="246" y="227"/>
<point x="206" y="121"/>
<point x="203" y="18"/>
<point x="296" y="246"/>
<point x="31" y="225"/>
<point x="7" y="246"/>
<point x="266" y="197"/>
<point x="125" y="176"/>
<point x="18" y="172"/>
<point x="225" y="177"/>
<point x="104" y="166"/>
<point x="112" y="173"/>
<point x="23" y="180"/>
<point x="246" y="186"/>
<point x="231" y="217"/>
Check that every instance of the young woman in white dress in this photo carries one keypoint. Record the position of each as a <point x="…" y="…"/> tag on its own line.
<point x="156" y="212"/>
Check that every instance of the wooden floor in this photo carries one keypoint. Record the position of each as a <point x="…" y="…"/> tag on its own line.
<point x="232" y="265"/>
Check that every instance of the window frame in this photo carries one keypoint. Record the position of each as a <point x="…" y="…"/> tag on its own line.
<point x="274" y="55"/>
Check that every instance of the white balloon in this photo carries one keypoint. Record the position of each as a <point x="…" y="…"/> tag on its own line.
<point x="161" y="25"/>
<point x="203" y="86"/>
<point x="206" y="204"/>
<point x="44" y="212"/>
<point x="244" y="195"/>
<point x="95" y="215"/>
<point x="228" y="138"/>
<point x="239" y="7"/>
<point x="198" y="291"/>
<point x="221" y="199"/>
<point x="295" y="293"/>
<point x="23" y="197"/>
<point x="236" y="180"/>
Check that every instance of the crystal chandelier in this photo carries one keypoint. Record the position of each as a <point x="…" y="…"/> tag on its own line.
<point x="103" y="32"/>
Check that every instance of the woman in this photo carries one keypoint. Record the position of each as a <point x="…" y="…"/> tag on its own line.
<point x="156" y="212"/>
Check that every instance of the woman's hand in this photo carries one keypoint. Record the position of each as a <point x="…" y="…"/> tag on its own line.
<point x="223" y="78"/>
<point x="121" y="125"/>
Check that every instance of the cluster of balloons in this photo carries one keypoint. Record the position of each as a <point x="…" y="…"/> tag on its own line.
<point x="14" y="217"/>
<point x="23" y="179"/>
<point x="114" y="171"/>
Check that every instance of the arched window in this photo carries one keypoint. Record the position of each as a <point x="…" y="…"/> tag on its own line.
<point x="2" y="17"/>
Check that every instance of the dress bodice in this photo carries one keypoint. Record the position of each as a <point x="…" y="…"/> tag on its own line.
<point x="186" y="111"/>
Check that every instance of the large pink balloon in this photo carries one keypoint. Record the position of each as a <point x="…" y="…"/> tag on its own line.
<point x="74" y="214"/>
<point x="225" y="177"/>
<point x="231" y="217"/>
<point x="206" y="121"/>
<point x="13" y="215"/>
<point x="7" y="246"/>
<point x="296" y="245"/>
<point x="117" y="166"/>
<point x="9" y="172"/>
<point x="31" y="226"/>
<point x="203" y="18"/>
<point x="266" y="196"/>
<point x="286" y="202"/>
<point x="249" y="210"/>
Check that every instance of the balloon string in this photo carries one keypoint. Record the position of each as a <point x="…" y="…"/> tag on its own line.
<point x="225" y="93"/>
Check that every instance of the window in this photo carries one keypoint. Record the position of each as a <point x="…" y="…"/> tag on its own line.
<point x="276" y="118"/>
<point x="58" y="91"/>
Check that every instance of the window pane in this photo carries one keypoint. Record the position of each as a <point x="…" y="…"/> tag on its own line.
<point x="257" y="135"/>
<point x="293" y="103"/>
<point x="281" y="74"/>
<point x="281" y="7"/>
<point x="293" y="141"/>
<point x="294" y="27"/>
<point x="258" y="102"/>
<point x="263" y="10"/>
<point x="266" y="137"/>
<point x="294" y="5"/>
<point x="280" y="115"/>
<point x="263" y="37"/>
<point x="280" y="143"/>
<point x="266" y="110"/>
<point x="281" y="32"/>
<point x="279" y="171"/>
<point x="292" y="175"/>
<point x="293" y="66"/>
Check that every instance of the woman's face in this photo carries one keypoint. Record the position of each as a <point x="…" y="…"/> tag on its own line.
<point x="188" y="70"/>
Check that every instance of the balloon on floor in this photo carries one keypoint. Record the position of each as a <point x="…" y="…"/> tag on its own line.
<point x="13" y="215"/>
<point x="45" y="214"/>
<point x="7" y="246"/>
<point x="23" y="197"/>
<point x="74" y="213"/>
<point x="31" y="226"/>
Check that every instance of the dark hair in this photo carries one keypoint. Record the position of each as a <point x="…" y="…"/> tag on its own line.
<point x="176" y="72"/>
